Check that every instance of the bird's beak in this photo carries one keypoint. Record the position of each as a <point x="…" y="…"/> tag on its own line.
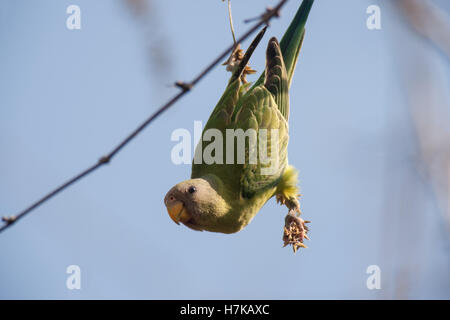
<point x="178" y="212"/>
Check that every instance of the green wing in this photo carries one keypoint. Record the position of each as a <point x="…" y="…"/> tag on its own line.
<point x="266" y="107"/>
<point x="259" y="112"/>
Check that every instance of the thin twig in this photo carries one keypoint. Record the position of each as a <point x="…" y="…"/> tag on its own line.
<point x="230" y="15"/>
<point x="185" y="88"/>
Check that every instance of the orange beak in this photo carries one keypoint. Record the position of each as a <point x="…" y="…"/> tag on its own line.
<point x="178" y="212"/>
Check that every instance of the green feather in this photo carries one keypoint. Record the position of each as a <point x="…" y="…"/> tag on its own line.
<point x="292" y="40"/>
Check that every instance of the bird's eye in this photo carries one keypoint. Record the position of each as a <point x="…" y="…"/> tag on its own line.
<point x="192" y="189"/>
<point x="171" y="198"/>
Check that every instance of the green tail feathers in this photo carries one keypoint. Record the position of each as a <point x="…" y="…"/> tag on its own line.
<point x="292" y="40"/>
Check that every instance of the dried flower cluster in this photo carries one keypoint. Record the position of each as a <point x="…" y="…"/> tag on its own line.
<point x="294" y="235"/>
<point x="235" y="59"/>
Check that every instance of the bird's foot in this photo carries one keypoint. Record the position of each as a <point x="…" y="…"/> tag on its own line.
<point x="295" y="229"/>
<point x="280" y="199"/>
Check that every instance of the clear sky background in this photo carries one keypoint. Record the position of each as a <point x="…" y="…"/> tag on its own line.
<point x="67" y="97"/>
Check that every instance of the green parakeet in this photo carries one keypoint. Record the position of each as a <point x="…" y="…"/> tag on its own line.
<point x="224" y="196"/>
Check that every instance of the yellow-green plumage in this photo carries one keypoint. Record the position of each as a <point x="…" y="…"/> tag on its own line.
<point x="228" y="196"/>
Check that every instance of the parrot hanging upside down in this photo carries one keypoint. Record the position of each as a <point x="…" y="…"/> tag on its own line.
<point x="222" y="197"/>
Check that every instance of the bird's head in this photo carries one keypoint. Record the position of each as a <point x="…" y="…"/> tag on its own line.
<point x="196" y="203"/>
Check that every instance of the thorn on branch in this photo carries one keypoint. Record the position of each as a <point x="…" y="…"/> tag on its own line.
<point x="183" y="85"/>
<point x="104" y="160"/>
<point x="270" y="12"/>
<point x="9" y="220"/>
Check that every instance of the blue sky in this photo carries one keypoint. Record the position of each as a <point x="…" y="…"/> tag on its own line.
<point x="68" y="97"/>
